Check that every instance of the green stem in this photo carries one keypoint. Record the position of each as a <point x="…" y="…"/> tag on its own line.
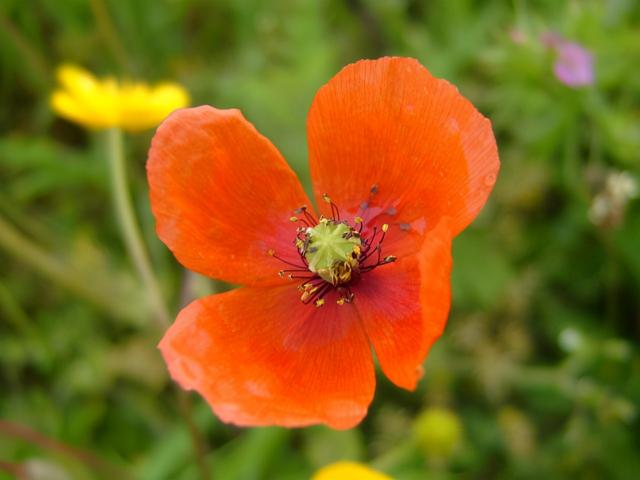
<point x="129" y="228"/>
<point x="60" y="272"/>
<point x="140" y="258"/>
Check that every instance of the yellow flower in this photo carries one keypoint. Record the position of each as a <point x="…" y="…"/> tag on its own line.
<point x="106" y="103"/>
<point x="348" y="471"/>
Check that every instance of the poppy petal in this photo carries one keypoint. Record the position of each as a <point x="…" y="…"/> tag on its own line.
<point x="390" y="123"/>
<point x="261" y="357"/>
<point x="222" y="196"/>
<point x="403" y="317"/>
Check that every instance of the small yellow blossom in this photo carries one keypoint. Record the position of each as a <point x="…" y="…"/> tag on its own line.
<point x="105" y="103"/>
<point x="348" y="471"/>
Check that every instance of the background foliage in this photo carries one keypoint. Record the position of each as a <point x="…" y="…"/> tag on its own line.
<point x="538" y="373"/>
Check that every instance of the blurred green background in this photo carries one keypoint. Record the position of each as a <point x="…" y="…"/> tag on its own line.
<point x="538" y="372"/>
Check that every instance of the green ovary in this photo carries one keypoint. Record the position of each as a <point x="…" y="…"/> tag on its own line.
<point x="331" y="247"/>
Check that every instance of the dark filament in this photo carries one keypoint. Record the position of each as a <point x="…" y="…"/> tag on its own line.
<point x="314" y="287"/>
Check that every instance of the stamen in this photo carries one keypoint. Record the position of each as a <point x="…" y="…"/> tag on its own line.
<point x="333" y="254"/>
<point x="302" y="220"/>
<point x="310" y="219"/>
<point x="369" y="242"/>
<point x="335" y="212"/>
<point x="291" y="276"/>
<point x="316" y="293"/>
<point x="348" y="298"/>
<point x="377" y="248"/>
<point x="385" y="228"/>
<point x="272" y="253"/>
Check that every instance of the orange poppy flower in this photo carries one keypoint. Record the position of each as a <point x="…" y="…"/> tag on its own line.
<point x="401" y="163"/>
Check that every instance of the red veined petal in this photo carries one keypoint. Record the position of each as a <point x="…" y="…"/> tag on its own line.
<point x="261" y="357"/>
<point x="404" y="307"/>
<point x="222" y="196"/>
<point x="390" y="123"/>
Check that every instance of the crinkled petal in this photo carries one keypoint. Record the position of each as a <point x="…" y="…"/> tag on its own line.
<point x="261" y="357"/>
<point x="404" y="307"/>
<point x="390" y="123"/>
<point x="222" y="196"/>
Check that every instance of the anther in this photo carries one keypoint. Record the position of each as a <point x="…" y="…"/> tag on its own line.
<point x="374" y="189"/>
<point x="390" y="258"/>
<point x="320" y="302"/>
<point x="326" y="198"/>
<point x="281" y="273"/>
<point x="293" y="219"/>
<point x="385" y="227"/>
<point x="358" y="220"/>
<point x="308" y="292"/>
<point x="271" y="252"/>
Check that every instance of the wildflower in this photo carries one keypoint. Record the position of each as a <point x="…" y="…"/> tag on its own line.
<point x="401" y="163"/>
<point x="348" y="471"/>
<point x="101" y="104"/>
<point x="574" y="63"/>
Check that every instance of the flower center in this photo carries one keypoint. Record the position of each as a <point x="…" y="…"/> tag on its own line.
<point x="333" y="254"/>
<point x="332" y="250"/>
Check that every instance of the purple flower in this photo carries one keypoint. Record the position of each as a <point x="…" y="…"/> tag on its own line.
<point x="574" y="63"/>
